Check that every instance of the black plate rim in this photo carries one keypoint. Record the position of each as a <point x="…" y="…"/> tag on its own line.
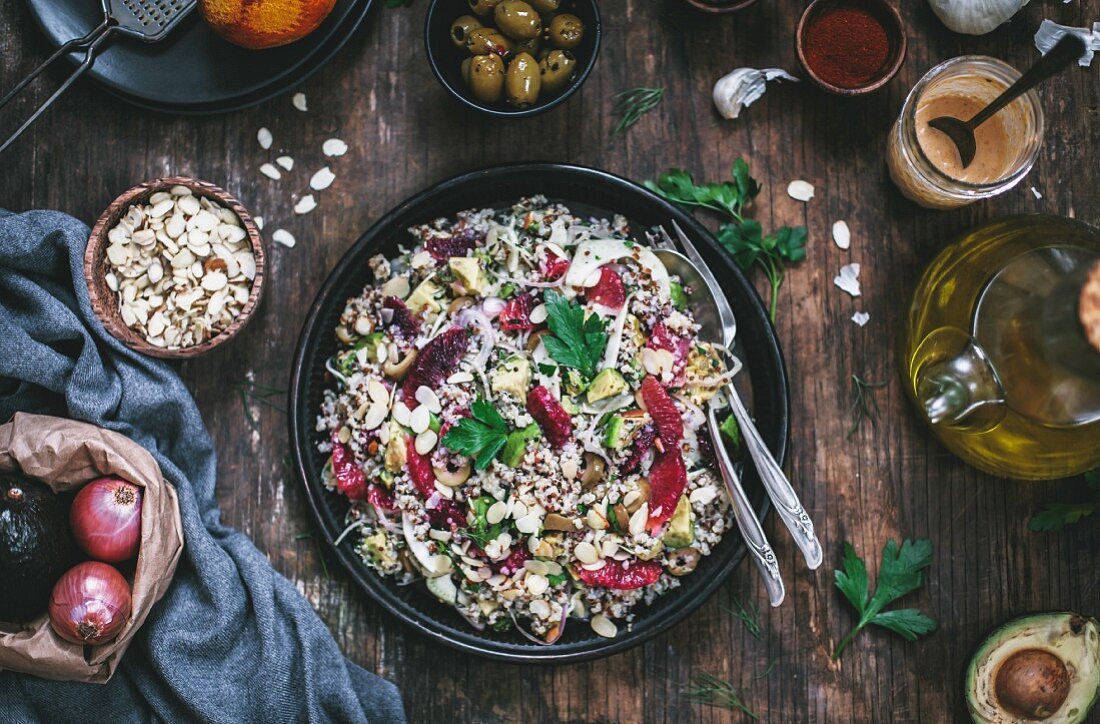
<point x="301" y="436"/>
<point x="320" y="58"/>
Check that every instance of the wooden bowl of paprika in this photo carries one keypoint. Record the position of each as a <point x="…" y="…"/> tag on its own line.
<point x="850" y="47"/>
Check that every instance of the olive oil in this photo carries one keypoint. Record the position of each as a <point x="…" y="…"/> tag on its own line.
<point x="995" y="356"/>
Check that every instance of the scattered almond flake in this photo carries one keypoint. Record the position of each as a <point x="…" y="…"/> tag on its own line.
<point x="284" y="237"/>
<point x="305" y="204"/>
<point x="741" y="87"/>
<point x="861" y="318"/>
<point x="800" y="190"/>
<point x="264" y="137"/>
<point x="1035" y="191"/>
<point x="298" y="100"/>
<point x="334" y="147"/>
<point x="604" y="626"/>
<point x="286" y="162"/>
<point x="259" y="222"/>
<point x="322" y="179"/>
<point x="848" y="279"/>
<point x="1050" y="33"/>
<point x="271" y="172"/>
<point x="842" y="235"/>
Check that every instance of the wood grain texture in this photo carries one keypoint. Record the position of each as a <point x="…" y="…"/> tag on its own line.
<point x="890" y="480"/>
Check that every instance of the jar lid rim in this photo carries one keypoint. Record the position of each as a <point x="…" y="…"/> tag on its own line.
<point x="1089" y="307"/>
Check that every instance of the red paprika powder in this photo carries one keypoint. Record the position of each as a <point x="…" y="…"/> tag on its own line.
<point x="846" y="46"/>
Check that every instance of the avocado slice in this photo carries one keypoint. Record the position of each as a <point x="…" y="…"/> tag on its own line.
<point x="377" y="547"/>
<point x="467" y="270"/>
<point x="1043" y="667"/>
<point x="516" y="445"/>
<point x="607" y="384"/>
<point x="613" y="433"/>
<point x="513" y="377"/>
<point x="681" y="530"/>
<point x="35" y="546"/>
<point x="423" y="298"/>
<point x="731" y="430"/>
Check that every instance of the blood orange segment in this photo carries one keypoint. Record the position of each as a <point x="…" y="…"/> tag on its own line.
<point x="447" y="515"/>
<point x="680" y="347"/>
<point x="670" y="426"/>
<point x="554" y="267"/>
<point x="622" y="575"/>
<point x="643" y="441"/>
<point x="667" y="481"/>
<point x="514" y="562"/>
<point x="420" y="469"/>
<point x="403" y="318"/>
<point x="381" y="498"/>
<point x="460" y="243"/>
<point x="516" y="315"/>
<point x="437" y="360"/>
<point x="609" y="292"/>
<point x="349" y="478"/>
<point x="555" y="422"/>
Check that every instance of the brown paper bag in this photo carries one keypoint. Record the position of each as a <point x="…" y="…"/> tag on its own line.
<point x="64" y="455"/>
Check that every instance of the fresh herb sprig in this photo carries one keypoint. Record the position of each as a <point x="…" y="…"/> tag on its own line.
<point x="577" y="341"/>
<point x="631" y="105"/>
<point x="1056" y="516"/>
<point x="742" y="237"/>
<point x="900" y="573"/>
<point x="748" y="614"/>
<point x="252" y="392"/>
<point x="480" y="436"/>
<point x="481" y="531"/>
<point x="709" y="689"/>
<point x="864" y="406"/>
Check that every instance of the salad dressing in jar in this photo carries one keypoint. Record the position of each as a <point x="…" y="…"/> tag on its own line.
<point x="923" y="161"/>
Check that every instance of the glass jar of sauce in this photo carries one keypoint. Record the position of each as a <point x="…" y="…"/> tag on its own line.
<point x="925" y="164"/>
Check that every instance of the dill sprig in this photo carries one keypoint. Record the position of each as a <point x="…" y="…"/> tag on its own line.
<point x="632" y="104"/>
<point x="253" y="392"/>
<point x="709" y="689"/>
<point x="864" y="406"/>
<point x="748" y="614"/>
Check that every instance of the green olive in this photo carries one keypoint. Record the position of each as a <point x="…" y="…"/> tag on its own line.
<point x="487" y="78"/>
<point x="522" y="82"/>
<point x="532" y="45"/>
<point x="461" y="29"/>
<point x="557" y="70"/>
<point x="483" y="7"/>
<point x="465" y="70"/>
<point x="517" y="20"/>
<point x="484" y="41"/>
<point x="545" y="6"/>
<point x="566" y="31"/>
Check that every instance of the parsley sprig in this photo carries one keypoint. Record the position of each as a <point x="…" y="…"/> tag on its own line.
<point x="742" y="237"/>
<point x="899" y="574"/>
<point x="631" y="105"/>
<point x="481" y="436"/>
<point x="1056" y="516"/>
<point x="577" y="341"/>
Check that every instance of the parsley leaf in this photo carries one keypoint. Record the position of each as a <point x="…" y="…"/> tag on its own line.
<point x="480" y="531"/>
<point x="577" y="341"/>
<point x="480" y="436"/>
<point x="743" y="238"/>
<point x="900" y="573"/>
<point x="1056" y="516"/>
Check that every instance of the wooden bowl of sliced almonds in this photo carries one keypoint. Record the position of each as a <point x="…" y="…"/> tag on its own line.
<point x="175" y="267"/>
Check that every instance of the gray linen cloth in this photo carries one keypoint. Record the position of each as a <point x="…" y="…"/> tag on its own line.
<point x="232" y="640"/>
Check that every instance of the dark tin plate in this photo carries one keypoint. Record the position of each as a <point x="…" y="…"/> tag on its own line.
<point x="193" y="71"/>
<point x="586" y="191"/>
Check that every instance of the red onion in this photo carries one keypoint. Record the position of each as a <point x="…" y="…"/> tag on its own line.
<point x="106" y="519"/>
<point x="90" y="603"/>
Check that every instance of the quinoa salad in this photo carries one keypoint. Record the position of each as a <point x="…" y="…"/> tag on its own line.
<point x="515" y="413"/>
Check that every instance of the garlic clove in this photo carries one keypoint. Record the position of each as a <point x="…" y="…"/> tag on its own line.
<point x="741" y="87"/>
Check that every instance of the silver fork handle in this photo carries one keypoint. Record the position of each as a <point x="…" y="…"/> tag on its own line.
<point x="787" y="504"/>
<point x="763" y="557"/>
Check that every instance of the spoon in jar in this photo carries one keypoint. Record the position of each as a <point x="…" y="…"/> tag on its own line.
<point x="961" y="133"/>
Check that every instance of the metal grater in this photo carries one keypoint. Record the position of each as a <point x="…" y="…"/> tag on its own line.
<point x="149" y="20"/>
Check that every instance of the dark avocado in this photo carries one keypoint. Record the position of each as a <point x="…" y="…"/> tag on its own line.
<point x="35" y="547"/>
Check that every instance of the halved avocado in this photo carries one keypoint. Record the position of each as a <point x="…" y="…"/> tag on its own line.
<point x="1044" y="667"/>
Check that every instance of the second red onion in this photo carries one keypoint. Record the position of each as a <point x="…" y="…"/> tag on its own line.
<point x="106" y="519"/>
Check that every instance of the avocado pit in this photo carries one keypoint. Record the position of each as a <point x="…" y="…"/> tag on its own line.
<point x="1032" y="684"/>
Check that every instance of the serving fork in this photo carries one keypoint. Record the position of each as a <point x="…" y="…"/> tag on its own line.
<point x="148" y="20"/>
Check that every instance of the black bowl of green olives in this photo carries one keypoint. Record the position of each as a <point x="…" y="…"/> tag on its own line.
<point x="512" y="58"/>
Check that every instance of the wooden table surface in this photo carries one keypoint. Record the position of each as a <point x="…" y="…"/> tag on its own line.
<point x="892" y="480"/>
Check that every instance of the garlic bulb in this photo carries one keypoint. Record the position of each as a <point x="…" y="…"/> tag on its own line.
<point x="975" y="17"/>
<point x="741" y="87"/>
